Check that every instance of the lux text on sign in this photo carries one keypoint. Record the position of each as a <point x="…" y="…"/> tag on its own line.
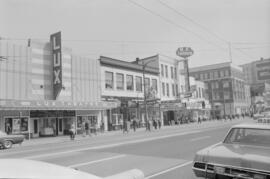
<point x="56" y="61"/>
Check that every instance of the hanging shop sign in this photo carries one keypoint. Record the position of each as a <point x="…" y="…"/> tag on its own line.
<point x="57" y="63"/>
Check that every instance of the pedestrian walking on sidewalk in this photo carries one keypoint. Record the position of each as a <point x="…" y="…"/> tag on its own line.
<point x="159" y="124"/>
<point x="155" y="124"/>
<point x="199" y="120"/>
<point x="134" y="125"/>
<point x="72" y="131"/>
<point x="87" y="129"/>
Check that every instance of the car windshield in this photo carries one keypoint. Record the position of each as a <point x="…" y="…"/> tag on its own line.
<point x="246" y="136"/>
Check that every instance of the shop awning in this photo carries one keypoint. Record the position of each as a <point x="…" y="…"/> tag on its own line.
<point x="55" y="105"/>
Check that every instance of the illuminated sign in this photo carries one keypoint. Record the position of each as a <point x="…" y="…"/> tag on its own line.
<point x="184" y="52"/>
<point x="57" y="63"/>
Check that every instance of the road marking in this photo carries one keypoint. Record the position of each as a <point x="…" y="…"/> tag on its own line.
<point x="111" y="145"/>
<point x="199" y="138"/>
<point x="170" y="169"/>
<point x="97" y="161"/>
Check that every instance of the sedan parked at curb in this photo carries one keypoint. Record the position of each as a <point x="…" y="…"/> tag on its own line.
<point x="244" y="154"/>
<point x="6" y="141"/>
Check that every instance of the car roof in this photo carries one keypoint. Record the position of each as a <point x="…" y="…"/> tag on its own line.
<point x="252" y="126"/>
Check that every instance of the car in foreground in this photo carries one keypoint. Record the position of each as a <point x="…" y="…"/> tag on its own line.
<point x="31" y="169"/>
<point x="244" y="154"/>
<point x="6" y="141"/>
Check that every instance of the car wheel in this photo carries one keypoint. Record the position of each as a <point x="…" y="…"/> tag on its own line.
<point x="7" y="144"/>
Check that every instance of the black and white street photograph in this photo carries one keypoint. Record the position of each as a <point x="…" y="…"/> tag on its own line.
<point x="134" y="89"/>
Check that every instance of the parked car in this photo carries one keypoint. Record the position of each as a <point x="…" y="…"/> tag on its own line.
<point x="244" y="153"/>
<point x="6" y="141"/>
<point x="23" y="168"/>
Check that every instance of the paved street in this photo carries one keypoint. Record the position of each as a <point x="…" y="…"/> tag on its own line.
<point x="165" y="153"/>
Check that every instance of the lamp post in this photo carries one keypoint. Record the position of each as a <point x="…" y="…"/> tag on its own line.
<point x="144" y="87"/>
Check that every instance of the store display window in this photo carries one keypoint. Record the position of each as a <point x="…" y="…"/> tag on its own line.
<point x="16" y="125"/>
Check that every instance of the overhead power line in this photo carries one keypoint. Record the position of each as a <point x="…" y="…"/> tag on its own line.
<point x="175" y="24"/>
<point x="204" y="28"/>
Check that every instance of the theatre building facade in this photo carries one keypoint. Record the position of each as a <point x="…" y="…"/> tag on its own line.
<point x="45" y="88"/>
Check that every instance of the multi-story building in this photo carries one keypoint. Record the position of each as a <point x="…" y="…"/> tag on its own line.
<point x="123" y="81"/>
<point x="226" y="88"/>
<point x="257" y="75"/>
<point x="44" y="88"/>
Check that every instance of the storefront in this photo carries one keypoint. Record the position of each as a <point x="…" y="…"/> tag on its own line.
<point x="172" y="111"/>
<point x="50" y="118"/>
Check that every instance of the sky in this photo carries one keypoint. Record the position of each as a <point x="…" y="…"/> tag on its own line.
<point x="127" y="29"/>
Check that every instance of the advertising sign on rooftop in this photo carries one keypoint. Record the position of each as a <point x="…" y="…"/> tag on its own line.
<point x="184" y="52"/>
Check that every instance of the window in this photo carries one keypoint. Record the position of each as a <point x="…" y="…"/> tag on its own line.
<point x="138" y="83"/>
<point x="154" y="84"/>
<point x="221" y="73"/>
<point x="226" y="95"/>
<point x="129" y="82"/>
<point x="216" y="96"/>
<point x="182" y="88"/>
<point x="173" y="90"/>
<point x="172" y="72"/>
<point x="166" y="71"/>
<point x="119" y="81"/>
<point x="175" y="73"/>
<point x="211" y="75"/>
<point x="162" y="70"/>
<point x="216" y="74"/>
<point x="163" y="89"/>
<point x="108" y="80"/>
<point x="176" y="87"/>
<point x="226" y="72"/>
<point x="201" y="76"/>
<point x="147" y="84"/>
<point x="226" y="84"/>
<point x="217" y="85"/>
<point x="206" y="76"/>
<point x="168" y="89"/>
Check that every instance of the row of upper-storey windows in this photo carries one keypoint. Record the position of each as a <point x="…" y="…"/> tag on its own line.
<point x="166" y="89"/>
<point x="165" y="71"/>
<point x="130" y="85"/>
<point x="212" y="75"/>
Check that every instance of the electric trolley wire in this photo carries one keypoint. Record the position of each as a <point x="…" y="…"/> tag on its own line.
<point x="201" y="26"/>
<point x="175" y="24"/>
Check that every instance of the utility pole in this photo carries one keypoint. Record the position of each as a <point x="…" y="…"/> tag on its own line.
<point x="144" y="87"/>
<point x="230" y="51"/>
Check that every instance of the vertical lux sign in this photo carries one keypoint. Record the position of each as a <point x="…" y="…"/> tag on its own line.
<point x="57" y="63"/>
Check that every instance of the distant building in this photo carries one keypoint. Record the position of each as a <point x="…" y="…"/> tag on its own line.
<point x="226" y="88"/>
<point x="257" y="75"/>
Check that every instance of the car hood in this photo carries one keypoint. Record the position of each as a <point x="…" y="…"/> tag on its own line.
<point x="236" y="155"/>
<point x="23" y="169"/>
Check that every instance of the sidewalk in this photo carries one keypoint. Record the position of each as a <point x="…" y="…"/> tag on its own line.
<point x="63" y="139"/>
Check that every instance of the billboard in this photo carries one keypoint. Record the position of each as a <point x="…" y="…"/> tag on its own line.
<point x="57" y="63"/>
<point x="263" y="71"/>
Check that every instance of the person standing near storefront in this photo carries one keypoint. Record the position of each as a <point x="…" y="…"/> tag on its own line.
<point x="134" y="124"/>
<point x="72" y="131"/>
<point x="8" y="128"/>
<point x="87" y="129"/>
